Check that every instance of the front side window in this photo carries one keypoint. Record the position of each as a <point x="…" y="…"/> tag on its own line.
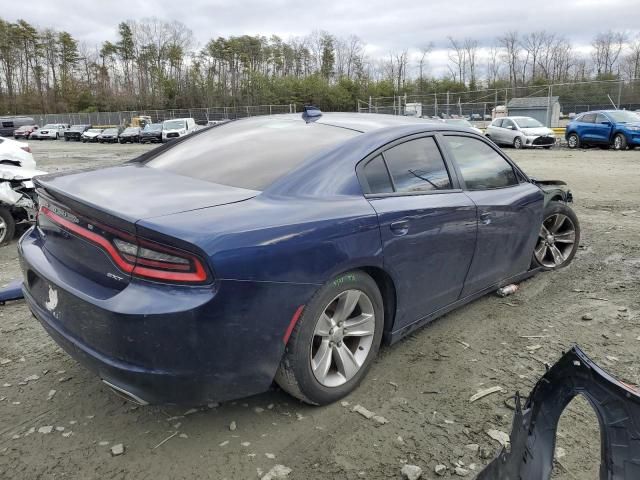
<point x="417" y="166"/>
<point x="589" y="118"/>
<point x="497" y="123"/>
<point x="481" y="166"/>
<point x="600" y="118"/>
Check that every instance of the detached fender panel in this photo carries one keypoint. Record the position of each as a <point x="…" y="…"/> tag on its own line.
<point x="533" y="434"/>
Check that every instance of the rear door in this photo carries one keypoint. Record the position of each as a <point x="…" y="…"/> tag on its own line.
<point x="427" y="224"/>
<point x="493" y="130"/>
<point x="509" y="211"/>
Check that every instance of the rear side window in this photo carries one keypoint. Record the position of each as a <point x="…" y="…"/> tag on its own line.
<point x="250" y="153"/>
<point x="497" y="123"/>
<point x="377" y="176"/>
<point x="588" y="118"/>
<point x="481" y="166"/>
<point x="417" y="166"/>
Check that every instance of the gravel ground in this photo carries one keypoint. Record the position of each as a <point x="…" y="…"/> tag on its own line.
<point x="421" y="385"/>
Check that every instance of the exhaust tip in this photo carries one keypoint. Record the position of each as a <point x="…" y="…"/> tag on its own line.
<point x="125" y="394"/>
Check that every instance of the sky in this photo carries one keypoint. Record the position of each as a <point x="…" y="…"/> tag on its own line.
<point x="384" y="25"/>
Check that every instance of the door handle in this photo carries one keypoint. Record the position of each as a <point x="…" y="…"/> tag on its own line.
<point x="401" y="227"/>
<point x="485" y="218"/>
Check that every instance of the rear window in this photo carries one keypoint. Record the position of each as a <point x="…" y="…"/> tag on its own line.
<point x="250" y="153"/>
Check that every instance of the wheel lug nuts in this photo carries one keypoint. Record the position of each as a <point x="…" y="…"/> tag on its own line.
<point x="339" y="344"/>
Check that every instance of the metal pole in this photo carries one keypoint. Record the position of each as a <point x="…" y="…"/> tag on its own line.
<point x="369" y="103"/>
<point x="448" y="102"/>
<point x="549" y="106"/>
<point x="435" y="104"/>
<point x="619" y="92"/>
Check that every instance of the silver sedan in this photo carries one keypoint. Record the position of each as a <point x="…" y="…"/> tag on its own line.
<point x="520" y="132"/>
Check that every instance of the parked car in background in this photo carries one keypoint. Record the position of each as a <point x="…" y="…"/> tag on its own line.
<point x="91" y="135"/>
<point x="16" y="153"/>
<point x="216" y="122"/>
<point x="176" y="128"/>
<point x="24" y="131"/>
<point x="9" y="124"/>
<point x="51" y="131"/>
<point x="75" y="132"/>
<point x="278" y="248"/>
<point x="130" y="134"/>
<point x="109" y="135"/>
<point x="520" y="132"/>
<point x="605" y="128"/>
<point x="461" y="122"/>
<point x="151" y="133"/>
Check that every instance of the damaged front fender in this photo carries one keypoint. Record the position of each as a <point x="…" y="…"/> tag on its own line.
<point x="533" y="435"/>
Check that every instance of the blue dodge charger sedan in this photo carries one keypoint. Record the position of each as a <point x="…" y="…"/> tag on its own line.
<point x="281" y="248"/>
<point x="605" y="128"/>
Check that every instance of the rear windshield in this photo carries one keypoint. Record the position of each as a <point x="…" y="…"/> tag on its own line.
<point x="250" y="153"/>
<point x="153" y="127"/>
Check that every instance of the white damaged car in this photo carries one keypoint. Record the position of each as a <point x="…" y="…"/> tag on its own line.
<point x="520" y="132"/>
<point x="17" y="193"/>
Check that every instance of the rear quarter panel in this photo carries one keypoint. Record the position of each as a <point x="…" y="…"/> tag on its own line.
<point x="279" y="239"/>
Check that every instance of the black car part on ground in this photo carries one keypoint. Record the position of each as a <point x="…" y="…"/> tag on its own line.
<point x="533" y="434"/>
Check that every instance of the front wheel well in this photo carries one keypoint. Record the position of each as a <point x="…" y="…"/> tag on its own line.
<point x="388" y="291"/>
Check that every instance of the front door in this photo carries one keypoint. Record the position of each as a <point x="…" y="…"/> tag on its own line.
<point x="427" y="226"/>
<point x="509" y="212"/>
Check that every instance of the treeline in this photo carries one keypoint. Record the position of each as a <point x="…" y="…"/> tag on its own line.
<point x="156" y="64"/>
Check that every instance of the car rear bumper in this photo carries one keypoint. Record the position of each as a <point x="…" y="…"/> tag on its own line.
<point x="164" y="344"/>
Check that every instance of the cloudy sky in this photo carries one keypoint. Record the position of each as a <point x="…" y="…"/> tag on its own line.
<point x="385" y="25"/>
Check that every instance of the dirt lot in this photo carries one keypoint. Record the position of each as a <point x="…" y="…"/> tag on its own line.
<point x="421" y="385"/>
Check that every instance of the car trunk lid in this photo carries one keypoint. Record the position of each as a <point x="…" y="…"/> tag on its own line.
<point x="88" y="219"/>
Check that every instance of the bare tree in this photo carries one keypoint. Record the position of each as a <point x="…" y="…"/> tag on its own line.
<point x="511" y="54"/>
<point x="471" y="54"/>
<point x="458" y="57"/>
<point x="607" y="47"/>
<point x="425" y="51"/>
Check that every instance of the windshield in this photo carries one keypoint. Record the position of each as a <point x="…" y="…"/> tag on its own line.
<point x="94" y="130"/>
<point x="110" y="131"/>
<point x="131" y="130"/>
<point x="174" y="124"/>
<point x="249" y="153"/>
<point x="153" y="127"/>
<point x="527" y="122"/>
<point x="50" y="125"/>
<point x="77" y="128"/>
<point x="622" y="116"/>
<point x="459" y="121"/>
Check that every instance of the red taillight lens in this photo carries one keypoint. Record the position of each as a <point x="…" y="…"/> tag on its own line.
<point x="137" y="256"/>
<point x="26" y="148"/>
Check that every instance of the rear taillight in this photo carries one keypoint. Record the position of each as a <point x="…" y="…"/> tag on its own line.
<point x="136" y="256"/>
<point x="26" y="148"/>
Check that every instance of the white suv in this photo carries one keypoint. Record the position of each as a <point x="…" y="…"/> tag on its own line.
<point x="51" y="131"/>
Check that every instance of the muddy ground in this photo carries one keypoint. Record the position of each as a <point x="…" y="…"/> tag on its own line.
<point x="421" y="385"/>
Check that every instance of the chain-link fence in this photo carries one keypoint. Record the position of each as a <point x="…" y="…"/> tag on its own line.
<point x="573" y="98"/>
<point x="200" y="115"/>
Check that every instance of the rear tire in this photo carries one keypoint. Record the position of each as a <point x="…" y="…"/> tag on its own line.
<point x="7" y="226"/>
<point x="324" y="359"/>
<point x="573" y="141"/>
<point x="558" y="239"/>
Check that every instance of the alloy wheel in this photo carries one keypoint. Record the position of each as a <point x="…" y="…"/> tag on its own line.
<point x="555" y="241"/>
<point x="342" y="338"/>
<point x="3" y="230"/>
<point x="517" y="143"/>
<point x="617" y="142"/>
<point x="573" y="141"/>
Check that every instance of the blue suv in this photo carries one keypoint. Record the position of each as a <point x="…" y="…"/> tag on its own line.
<point x="619" y="128"/>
